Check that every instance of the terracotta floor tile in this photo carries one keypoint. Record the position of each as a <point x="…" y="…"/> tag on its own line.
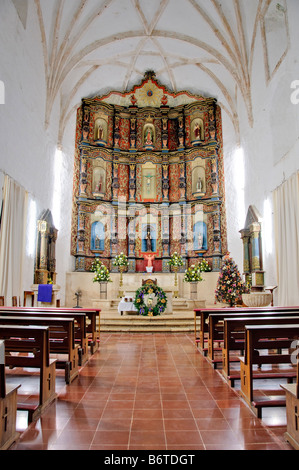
<point x="148" y="392"/>
<point x="147" y="438"/>
<point x="111" y="438"/>
<point x="183" y="438"/>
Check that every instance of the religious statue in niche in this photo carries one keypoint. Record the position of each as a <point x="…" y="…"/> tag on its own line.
<point x="197" y="131"/>
<point x="149" y="136"/>
<point x="198" y="181"/>
<point x="200" y="236"/>
<point x="99" y="176"/>
<point x="148" y="238"/>
<point x="100" y="131"/>
<point x="97" y="241"/>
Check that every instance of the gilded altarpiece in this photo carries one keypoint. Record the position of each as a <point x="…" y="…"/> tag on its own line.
<point x="148" y="178"/>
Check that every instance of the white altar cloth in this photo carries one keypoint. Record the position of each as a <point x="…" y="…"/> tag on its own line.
<point x="126" y="306"/>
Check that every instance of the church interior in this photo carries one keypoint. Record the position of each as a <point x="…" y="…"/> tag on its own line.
<point x="149" y="199"/>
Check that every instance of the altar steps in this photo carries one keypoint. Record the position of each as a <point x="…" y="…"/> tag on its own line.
<point x="135" y="323"/>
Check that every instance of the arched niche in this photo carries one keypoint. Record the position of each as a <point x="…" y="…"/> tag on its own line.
<point x="200" y="238"/>
<point x="199" y="177"/>
<point x="149" y="238"/>
<point x="197" y="130"/>
<point x="97" y="236"/>
<point x="100" y="130"/>
<point x="149" y="135"/>
<point x="99" y="179"/>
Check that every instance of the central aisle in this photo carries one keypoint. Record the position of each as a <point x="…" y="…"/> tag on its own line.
<point x="149" y="391"/>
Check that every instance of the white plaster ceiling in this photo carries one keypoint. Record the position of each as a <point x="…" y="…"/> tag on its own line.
<point x="207" y="47"/>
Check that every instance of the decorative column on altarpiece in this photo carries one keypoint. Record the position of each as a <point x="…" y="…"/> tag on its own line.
<point x="132" y="179"/>
<point x="182" y="183"/>
<point x="165" y="180"/>
<point x="217" y="241"/>
<point x="165" y="237"/>
<point x="181" y="135"/>
<point x="83" y="173"/>
<point x="115" y="181"/>
<point x="114" y="240"/>
<point x="80" y="259"/>
<point x="164" y="131"/>
<point x="133" y="135"/>
<point x="131" y="239"/>
<point x="185" y="214"/>
<point x="214" y="176"/>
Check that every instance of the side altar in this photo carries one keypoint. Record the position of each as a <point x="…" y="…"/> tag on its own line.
<point x="90" y="291"/>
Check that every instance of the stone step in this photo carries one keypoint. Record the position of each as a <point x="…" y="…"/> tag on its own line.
<point x="144" y="329"/>
<point x="140" y="323"/>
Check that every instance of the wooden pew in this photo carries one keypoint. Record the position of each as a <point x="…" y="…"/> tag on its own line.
<point x="78" y="315"/>
<point x="62" y="340"/>
<point x="261" y="338"/>
<point x="216" y="329"/>
<point x="92" y="318"/>
<point x="201" y="316"/>
<point x="234" y="339"/>
<point x="8" y="406"/>
<point x="292" y="407"/>
<point x="35" y="341"/>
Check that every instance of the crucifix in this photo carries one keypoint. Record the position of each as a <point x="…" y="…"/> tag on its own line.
<point x="148" y="182"/>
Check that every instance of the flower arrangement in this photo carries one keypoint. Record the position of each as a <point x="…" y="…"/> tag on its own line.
<point x="102" y="273"/>
<point x="121" y="260"/>
<point x="176" y="260"/>
<point x="150" y="309"/>
<point x="193" y="274"/>
<point x="204" y="266"/>
<point x="230" y="285"/>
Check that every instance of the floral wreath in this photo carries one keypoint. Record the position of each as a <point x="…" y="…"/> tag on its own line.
<point x="150" y="310"/>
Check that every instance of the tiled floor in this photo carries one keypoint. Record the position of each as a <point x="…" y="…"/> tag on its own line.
<point x="150" y="391"/>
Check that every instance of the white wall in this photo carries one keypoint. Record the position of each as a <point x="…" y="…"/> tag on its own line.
<point x="28" y="150"/>
<point x="271" y="146"/>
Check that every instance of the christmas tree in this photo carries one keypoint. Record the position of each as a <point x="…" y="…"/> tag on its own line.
<point x="230" y="285"/>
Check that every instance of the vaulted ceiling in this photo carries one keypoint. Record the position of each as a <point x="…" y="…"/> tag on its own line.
<point x="207" y="47"/>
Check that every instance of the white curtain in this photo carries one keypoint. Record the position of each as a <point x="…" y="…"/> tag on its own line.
<point x="12" y="239"/>
<point x="286" y="220"/>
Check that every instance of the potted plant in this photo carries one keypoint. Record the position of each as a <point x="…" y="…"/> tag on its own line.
<point x="193" y="276"/>
<point x="102" y="276"/>
<point x="204" y="266"/>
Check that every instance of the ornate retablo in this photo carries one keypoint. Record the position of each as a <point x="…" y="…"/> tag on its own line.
<point x="148" y="178"/>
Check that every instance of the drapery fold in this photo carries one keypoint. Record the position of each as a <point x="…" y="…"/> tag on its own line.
<point x="286" y="226"/>
<point x="12" y="239"/>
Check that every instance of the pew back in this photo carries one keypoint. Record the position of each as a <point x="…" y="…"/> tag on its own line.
<point x="234" y="334"/>
<point x="2" y="369"/>
<point x="78" y="316"/>
<point x="259" y="338"/>
<point x="201" y="316"/>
